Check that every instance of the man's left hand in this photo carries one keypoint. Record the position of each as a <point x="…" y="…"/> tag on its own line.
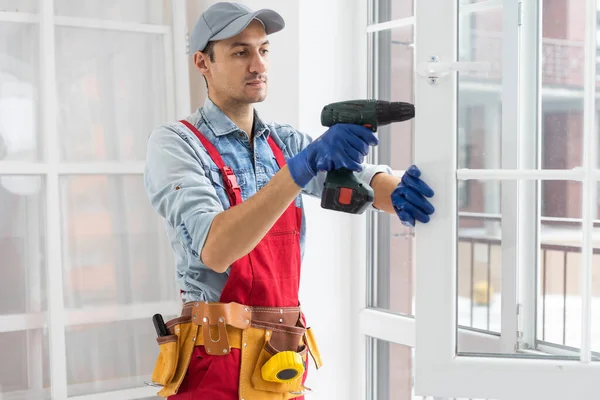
<point x="409" y="198"/>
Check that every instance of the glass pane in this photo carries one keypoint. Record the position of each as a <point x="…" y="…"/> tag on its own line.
<point x="22" y="245"/>
<point x="394" y="70"/>
<point x="110" y="356"/>
<point x="480" y="95"/>
<point x="596" y="291"/>
<point x="394" y="273"/>
<point x="115" y="248"/>
<point x="559" y="302"/>
<point x="562" y="83"/>
<point x="111" y="92"/>
<point x="27" y="375"/>
<point x="143" y="11"/>
<point x="19" y="5"/>
<point x="23" y="294"/>
<point x="393" y="373"/>
<point x="389" y="10"/>
<point x="479" y="255"/>
<point x="19" y="92"/>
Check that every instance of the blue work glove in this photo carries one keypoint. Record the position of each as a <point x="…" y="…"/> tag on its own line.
<point x="409" y="198"/>
<point x="341" y="146"/>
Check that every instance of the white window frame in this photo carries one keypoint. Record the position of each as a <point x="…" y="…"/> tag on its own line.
<point x="58" y="318"/>
<point x="439" y="370"/>
<point x="382" y="324"/>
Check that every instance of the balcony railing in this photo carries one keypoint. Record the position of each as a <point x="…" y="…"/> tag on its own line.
<point x="480" y="267"/>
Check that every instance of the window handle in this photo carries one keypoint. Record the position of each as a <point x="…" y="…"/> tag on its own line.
<point x="435" y="69"/>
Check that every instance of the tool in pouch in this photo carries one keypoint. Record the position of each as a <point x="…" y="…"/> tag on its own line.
<point x="167" y="356"/>
<point x="274" y="345"/>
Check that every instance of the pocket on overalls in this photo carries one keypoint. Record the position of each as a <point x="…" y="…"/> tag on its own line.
<point x="166" y="362"/>
<point x="279" y="370"/>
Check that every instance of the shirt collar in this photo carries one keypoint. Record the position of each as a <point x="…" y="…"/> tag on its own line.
<point x="222" y="125"/>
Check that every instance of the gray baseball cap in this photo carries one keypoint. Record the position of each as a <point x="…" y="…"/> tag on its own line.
<point x="224" y="20"/>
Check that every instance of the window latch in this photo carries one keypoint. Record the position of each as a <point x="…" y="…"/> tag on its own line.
<point x="436" y="69"/>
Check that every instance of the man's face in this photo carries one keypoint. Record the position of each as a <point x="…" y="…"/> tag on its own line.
<point x="239" y="70"/>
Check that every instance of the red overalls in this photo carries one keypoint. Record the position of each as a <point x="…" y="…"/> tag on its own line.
<point x="268" y="276"/>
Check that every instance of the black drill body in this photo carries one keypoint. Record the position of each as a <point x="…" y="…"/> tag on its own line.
<point x="343" y="191"/>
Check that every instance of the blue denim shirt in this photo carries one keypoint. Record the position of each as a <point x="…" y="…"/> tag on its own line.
<point x="185" y="186"/>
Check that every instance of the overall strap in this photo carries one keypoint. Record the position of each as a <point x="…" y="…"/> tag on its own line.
<point x="231" y="184"/>
<point x="277" y="152"/>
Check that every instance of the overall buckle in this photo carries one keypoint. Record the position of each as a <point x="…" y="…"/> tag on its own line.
<point x="231" y="182"/>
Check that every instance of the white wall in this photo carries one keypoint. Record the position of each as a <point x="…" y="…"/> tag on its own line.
<point x="315" y="60"/>
<point x="332" y="58"/>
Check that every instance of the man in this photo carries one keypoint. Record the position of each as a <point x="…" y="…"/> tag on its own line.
<point x="228" y="186"/>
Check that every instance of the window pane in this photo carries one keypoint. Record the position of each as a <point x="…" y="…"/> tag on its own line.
<point x="394" y="69"/>
<point x="23" y="295"/>
<point x="479" y="255"/>
<point x="111" y="356"/>
<point x="562" y="83"/>
<point x="18" y="5"/>
<point x="559" y="303"/>
<point x="142" y="11"/>
<point x="596" y="288"/>
<point x="19" y="92"/>
<point x="389" y="10"/>
<point x="393" y="373"/>
<point x="22" y="245"/>
<point x="115" y="248"/>
<point x="480" y="95"/>
<point x="111" y="92"/>
<point x="393" y="273"/>
<point x="27" y="375"/>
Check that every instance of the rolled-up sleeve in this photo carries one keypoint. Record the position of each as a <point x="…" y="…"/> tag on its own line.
<point x="298" y="141"/>
<point x="178" y="188"/>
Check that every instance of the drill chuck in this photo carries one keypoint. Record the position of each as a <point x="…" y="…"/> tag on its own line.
<point x="394" y="111"/>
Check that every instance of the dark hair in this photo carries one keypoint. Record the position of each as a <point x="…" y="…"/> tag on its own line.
<point x="209" y="50"/>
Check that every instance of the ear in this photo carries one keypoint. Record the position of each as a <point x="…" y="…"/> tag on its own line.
<point x="201" y="62"/>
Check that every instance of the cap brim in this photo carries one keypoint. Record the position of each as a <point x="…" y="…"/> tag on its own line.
<point x="272" y="21"/>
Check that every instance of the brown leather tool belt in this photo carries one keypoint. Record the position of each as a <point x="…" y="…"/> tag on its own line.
<point x="259" y="333"/>
<point x="219" y="322"/>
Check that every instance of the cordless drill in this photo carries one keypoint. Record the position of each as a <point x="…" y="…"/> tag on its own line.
<point x="343" y="191"/>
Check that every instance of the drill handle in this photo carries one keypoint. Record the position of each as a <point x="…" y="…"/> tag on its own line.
<point x="344" y="192"/>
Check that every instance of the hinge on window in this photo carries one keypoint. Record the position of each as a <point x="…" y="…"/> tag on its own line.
<point x="520" y="344"/>
<point x="187" y="42"/>
<point x="520" y="13"/>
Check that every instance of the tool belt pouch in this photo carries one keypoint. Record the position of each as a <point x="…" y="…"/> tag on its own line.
<point x="175" y="352"/>
<point x="166" y="362"/>
<point x="278" y="339"/>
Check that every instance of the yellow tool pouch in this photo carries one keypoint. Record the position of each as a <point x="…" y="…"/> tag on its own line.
<point x="313" y="349"/>
<point x="175" y="353"/>
<point x="274" y="347"/>
<point x="166" y="363"/>
<point x="256" y="354"/>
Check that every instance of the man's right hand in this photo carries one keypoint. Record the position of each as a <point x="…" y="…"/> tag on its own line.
<point x="341" y="146"/>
